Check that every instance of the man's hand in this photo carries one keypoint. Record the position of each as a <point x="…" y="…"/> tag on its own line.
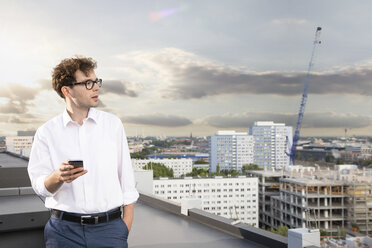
<point x="128" y="215"/>
<point x="64" y="173"/>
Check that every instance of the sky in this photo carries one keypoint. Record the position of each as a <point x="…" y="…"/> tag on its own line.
<point x="179" y="67"/>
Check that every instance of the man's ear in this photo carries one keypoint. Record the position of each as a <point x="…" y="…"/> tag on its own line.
<point x="66" y="91"/>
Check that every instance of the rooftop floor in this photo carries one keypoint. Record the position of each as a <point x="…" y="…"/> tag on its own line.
<point x="157" y="228"/>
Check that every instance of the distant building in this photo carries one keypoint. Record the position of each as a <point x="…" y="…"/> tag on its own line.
<point x="135" y="147"/>
<point x="180" y="166"/>
<point x="194" y="156"/>
<point x="19" y="144"/>
<point x="234" y="198"/>
<point x="230" y="150"/>
<point x="271" y="143"/>
<point x="2" y="144"/>
<point x="26" y="133"/>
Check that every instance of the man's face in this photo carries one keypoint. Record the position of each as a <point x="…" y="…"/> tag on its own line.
<point x="80" y="96"/>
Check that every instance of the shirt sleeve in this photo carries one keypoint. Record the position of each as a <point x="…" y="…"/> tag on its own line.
<point x="40" y="165"/>
<point x="125" y="170"/>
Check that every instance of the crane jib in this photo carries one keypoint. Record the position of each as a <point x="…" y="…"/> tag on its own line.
<point x="301" y="112"/>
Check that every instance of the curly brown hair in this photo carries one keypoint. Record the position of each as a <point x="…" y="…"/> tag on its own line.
<point x="64" y="73"/>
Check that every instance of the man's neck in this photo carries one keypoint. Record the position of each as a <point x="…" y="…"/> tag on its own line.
<point x="77" y="115"/>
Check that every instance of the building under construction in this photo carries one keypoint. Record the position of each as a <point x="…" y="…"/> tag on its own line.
<point x="314" y="197"/>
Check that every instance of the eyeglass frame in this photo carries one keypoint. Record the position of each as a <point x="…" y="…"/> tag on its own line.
<point x="98" y="81"/>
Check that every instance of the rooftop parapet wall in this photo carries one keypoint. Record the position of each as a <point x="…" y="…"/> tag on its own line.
<point x="220" y="223"/>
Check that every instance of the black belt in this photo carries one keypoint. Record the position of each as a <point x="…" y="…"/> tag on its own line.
<point x="87" y="219"/>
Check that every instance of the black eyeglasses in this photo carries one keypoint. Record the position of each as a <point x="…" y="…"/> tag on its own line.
<point x="89" y="84"/>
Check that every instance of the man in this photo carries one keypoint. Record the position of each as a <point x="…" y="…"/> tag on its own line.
<point x="84" y="201"/>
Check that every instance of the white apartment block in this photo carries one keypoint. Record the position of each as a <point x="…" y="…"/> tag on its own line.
<point x="234" y="198"/>
<point x="180" y="166"/>
<point x="18" y="144"/>
<point x="230" y="150"/>
<point x="272" y="142"/>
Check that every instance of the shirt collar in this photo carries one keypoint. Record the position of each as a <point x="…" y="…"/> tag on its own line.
<point x="92" y="114"/>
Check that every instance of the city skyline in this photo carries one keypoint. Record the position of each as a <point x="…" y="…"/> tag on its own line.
<point x="176" y="68"/>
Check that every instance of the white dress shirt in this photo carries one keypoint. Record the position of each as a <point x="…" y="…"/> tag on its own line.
<point x="102" y="145"/>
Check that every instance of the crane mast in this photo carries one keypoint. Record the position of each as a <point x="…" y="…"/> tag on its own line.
<point x="296" y="136"/>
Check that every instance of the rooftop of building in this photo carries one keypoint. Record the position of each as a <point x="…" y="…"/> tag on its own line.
<point x="157" y="222"/>
<point x="229" y="132"/>
<point x="267" y="173"/>
<point x="203" y="178"/>
<point x="312" y="181"/>
<point x="316" y="175"/>
<point x="267" y="123"/>
<point x="10" y="160"/>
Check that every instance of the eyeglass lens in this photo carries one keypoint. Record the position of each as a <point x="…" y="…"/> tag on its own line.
<point x="90" y="84"/>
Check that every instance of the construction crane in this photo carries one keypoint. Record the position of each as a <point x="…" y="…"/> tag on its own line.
<point x="296" y="136"/>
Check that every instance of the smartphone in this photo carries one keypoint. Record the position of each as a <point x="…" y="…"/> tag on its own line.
<point x="76" y="163"/>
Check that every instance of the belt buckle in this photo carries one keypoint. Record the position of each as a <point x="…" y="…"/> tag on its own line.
<point x="84" y="217"/>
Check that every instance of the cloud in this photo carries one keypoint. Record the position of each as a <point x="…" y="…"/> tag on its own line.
<point x="287" y="21"/>
<point x="18" y="92"/>
<point x="120" y="87"/>
<point x="14" y="107"/>
<point x="183" y="75"/>
<point x="311" y="120"/>
<point x="19" y="118"/>
<point x="45" y="84"/>
<point x="17" y="98"/>
<point x="196" y="81"/>
<point x="158" y="120"/>
<point x="16" y="120"/>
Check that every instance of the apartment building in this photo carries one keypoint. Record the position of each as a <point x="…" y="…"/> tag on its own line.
<point x="235" y="198"/>
<point x="230" y="150"/>
<point x="18" y="144"/>
<point x="180" y="166"/>
<point x="272" y="142"/>
<point x="317" y="198"/>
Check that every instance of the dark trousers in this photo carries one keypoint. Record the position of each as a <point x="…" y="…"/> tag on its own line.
<point x="60" y="233"/>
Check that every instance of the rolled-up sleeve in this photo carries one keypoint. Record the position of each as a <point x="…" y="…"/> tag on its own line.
<point x="40" y="165"/>
<point x="125" y="170"/>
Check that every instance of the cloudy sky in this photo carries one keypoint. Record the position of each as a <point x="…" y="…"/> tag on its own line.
<point x="175" y="67"/>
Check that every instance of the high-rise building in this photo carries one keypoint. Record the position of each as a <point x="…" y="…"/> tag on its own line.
<point x="272" y="143"/>
<point x="230" y="150"/>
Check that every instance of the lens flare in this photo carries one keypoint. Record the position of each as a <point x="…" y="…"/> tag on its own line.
<point x="158" y="15"/>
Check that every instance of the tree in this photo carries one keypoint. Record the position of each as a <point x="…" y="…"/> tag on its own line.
<point x="248" y="167"/>
<point x="159" y="169"/>
<point x="298" y="156"/>
<point x="281" y="230"/>
<point x="339" y="161"/>
<point x="195" y="172"/>
<point x="143" y="154"/>
<point x="201" y="161"/>
<point x="329" y="158"/>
